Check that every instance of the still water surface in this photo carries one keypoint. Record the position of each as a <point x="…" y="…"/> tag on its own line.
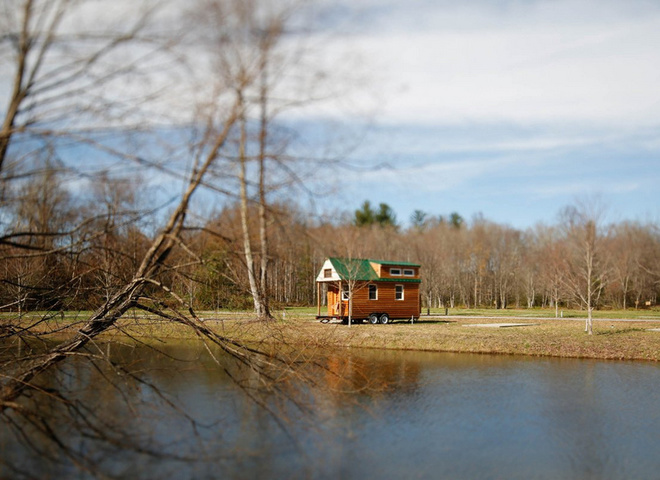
<point x="413" y="415"/>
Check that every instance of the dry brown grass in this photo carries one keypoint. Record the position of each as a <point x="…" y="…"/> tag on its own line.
<point x="611" y="339"/>
<point x="557" y="338"/>
<point x="630" y="340"/>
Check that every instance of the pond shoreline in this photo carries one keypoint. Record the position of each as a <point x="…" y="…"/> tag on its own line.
<point x="613" y="339"/>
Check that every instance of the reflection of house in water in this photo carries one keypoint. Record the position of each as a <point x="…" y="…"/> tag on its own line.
<point x="371" y="373"/>
<point x="378" y="290"/>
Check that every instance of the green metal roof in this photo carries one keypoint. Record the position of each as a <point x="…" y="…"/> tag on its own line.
<point x="360" y="269"/>
<point x="354" y="269"/>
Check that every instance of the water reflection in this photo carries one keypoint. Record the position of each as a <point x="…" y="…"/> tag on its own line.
<point x="372" y="414"/>
<point x="371" y="373"/>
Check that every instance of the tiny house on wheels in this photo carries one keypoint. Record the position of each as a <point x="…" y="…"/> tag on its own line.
<point x="374" y="290"/>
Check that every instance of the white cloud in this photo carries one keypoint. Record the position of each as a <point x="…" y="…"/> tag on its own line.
<point x="438" y="176"/>
<point x="508" y="106"/>
<point x="522" y="62"/>
<point x="587" y="186"/>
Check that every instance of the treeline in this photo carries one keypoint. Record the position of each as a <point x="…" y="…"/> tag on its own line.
<point x="71" y="264"/>
<point x="579" y="261"/>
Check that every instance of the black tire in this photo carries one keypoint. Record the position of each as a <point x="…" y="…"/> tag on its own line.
<point x="373" y="318"/>
<point x="384" y="319"/>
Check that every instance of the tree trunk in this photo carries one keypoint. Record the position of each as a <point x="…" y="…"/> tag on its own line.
<point x="263" y="220"/>
<point x="589" y="324"/>
<point x="247" y="245"/>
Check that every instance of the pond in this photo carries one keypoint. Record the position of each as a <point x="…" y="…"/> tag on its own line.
<point x="400" y="415"/>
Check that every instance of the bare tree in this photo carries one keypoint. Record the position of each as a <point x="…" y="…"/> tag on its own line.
<point x="260" y="57"/>
<point x="479" y="254"/>
<point x="629" y="250"/>
<point x="53" y="97"/>
<point x="353" y="270"/>
<point x="505" y="261"/>
<point x="586" y="265"/>
<point x="552" y="256"/>
<point x="67" y="69"/>
<point x="115" y="212"/>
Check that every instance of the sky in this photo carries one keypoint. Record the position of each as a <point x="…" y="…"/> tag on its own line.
<point x="506" y="109"/>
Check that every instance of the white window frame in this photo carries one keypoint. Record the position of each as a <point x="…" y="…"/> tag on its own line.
<point x="345" y="293"/>
<point x="396" y="293"/>
<point x="395" y="272"/>
<point x="408" y="272"/>
<point x="375" y="289"/>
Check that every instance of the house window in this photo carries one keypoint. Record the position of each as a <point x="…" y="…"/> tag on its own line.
<point x="395" y="272"/>
<point x="327" y="273"/>
<point x="345" y="293"/>
<point x="408" y="272"/>
<point x="373" y="292"/>
<point x="398" y="292"/>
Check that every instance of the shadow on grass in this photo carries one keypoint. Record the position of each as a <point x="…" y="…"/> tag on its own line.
<point x="395" y="322"/>
<point x="616" y="331"/>
<point x="428" y="322"/>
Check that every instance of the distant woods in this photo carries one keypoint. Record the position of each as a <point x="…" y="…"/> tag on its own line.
<point x="385" y="217"/>
<point x="366" y="215"/>
<point x="577" y="262"/>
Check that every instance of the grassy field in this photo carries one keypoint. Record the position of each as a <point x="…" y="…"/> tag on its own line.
<point x="617" y="334"/>
<point x="613" y="338"/>
<point x="653" y="314"/>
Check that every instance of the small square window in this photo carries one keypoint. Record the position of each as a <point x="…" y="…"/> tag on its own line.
<point x="327" y="273"/>
<point x="373" y="292"/>
<point x="345" y="294"/>
<point x="395" y="272"/>
<point x="398" y="293"/>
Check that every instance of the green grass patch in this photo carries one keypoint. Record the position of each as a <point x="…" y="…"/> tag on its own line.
<point x="647" y="314"/>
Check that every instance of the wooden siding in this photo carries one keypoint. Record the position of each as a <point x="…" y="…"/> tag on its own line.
<point x="377" y="268"/>
<point x="333" y="300"/>
<point x="386" y="302"/>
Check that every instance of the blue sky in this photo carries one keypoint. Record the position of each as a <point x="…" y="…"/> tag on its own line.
<point x="507" y="108"/>
<point x="512" y="109"/>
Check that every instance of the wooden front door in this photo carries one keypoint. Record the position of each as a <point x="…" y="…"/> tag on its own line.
<point x="335" y="306"/>
<point x="333" y="302"/>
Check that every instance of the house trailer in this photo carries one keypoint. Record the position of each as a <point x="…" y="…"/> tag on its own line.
<point x="373" y="290"/>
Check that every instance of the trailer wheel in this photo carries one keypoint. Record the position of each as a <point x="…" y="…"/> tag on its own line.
<point x="384" y="318"/>
<point x="373" y="318"/>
